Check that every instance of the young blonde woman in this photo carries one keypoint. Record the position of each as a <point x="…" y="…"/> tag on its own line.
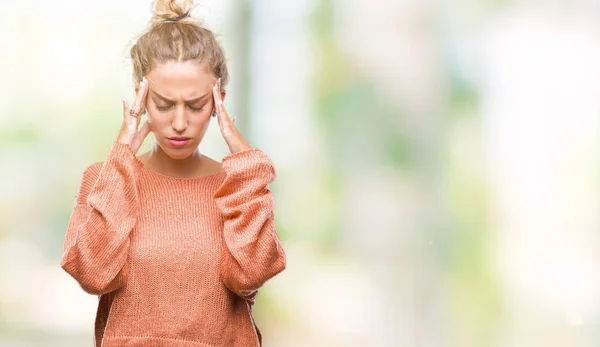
<point x="174" y="243"/>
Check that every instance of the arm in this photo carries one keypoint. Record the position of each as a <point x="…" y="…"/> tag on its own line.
<point x="252" y="253"/>
<point x="97" y="238"/>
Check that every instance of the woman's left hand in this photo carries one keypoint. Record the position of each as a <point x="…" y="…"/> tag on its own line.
<point x="232" y="136"/>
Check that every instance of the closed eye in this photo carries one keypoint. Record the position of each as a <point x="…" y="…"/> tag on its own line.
<point x="166" y="108"/>
<point x="163" y="108"/>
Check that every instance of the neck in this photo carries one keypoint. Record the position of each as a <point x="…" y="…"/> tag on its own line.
<point x="159" y="161"/>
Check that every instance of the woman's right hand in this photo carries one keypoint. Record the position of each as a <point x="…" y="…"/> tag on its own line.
<point x="130" y="134"/>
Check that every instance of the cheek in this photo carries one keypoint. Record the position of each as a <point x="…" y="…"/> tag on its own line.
<point x="155" y="118"/>
<point x="200" y="119"/>
<point x="200" y="125"/>
<point x="154" y="122"/>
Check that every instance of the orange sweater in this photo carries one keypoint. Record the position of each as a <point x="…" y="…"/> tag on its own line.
<point x="175" y="261"/>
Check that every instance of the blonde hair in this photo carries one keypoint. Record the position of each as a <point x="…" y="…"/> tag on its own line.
<point x="173" y="35"/>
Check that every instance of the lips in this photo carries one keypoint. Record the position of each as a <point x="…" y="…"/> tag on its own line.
<point x="179" y="141"/>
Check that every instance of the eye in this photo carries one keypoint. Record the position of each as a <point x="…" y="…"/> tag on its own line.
<point x="163" y="108"/>
<point x="196" y="109"/>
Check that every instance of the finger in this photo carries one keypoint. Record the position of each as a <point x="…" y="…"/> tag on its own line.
<point x="216" y="98"/>
<point x="125" y="125"/>
<point x="125" y="109"/>
<point x="130" y="123"/>
<point x="144" y="96"/>
<point x="137" y="104"/>
<point x="140" y="102"/>
<point x="225" y="116"/>
<point x="221" y="110"/>
<point x="139" y="136"/>
<point x="140" y="98"/>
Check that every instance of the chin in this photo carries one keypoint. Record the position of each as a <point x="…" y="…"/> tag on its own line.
<point x="178" y="153"/>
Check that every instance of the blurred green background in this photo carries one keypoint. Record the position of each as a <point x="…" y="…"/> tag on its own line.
<point x="437" y="163"/>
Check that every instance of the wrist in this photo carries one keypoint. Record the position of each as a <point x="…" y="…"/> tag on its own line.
<point x="242" y="146"/>
<point x="124" y="139"/>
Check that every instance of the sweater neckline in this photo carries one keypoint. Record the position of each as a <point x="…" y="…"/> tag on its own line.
<point x="159" y="175"/>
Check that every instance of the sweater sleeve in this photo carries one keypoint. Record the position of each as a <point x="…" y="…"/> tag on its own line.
<point x="97" y="238"/>
<point x="253" y="252"/>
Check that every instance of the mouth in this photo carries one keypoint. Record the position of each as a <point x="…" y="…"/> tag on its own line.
<point x="178" y="141"/>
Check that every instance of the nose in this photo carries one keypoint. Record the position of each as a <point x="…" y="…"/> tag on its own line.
<point x="179" y="122"/>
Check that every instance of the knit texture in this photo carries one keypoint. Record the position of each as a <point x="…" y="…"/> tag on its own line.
<point x="174" y="261"/>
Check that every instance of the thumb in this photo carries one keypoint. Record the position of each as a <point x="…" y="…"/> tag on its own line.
<point x="144" y="130"/>
<point x="139" y="136"/>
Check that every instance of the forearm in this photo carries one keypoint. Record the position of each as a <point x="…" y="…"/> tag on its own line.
<point x="97" y="240"/>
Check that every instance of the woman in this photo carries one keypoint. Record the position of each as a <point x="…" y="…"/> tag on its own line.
<point x="174" y="243"/>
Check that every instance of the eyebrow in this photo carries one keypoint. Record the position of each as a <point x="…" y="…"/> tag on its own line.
<point x="187" y="101"/>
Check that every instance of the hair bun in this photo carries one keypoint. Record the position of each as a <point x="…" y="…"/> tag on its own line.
<point x="170" y="10"/>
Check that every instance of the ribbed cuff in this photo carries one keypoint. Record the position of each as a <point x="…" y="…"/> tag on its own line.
<point x="121" y="151"/>
<point x="248" y="173"/>
<point x="240" y="153"/>
<point x="252" y="161"/>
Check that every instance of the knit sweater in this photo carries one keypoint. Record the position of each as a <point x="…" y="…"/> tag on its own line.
<point x="174" y="261"/>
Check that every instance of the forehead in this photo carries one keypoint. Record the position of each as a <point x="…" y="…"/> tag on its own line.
<point x="181" y="79"/>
